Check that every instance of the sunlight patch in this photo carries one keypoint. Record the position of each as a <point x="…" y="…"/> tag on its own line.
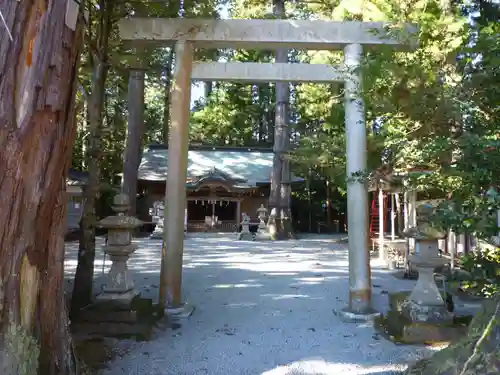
<point x="242" y="304"/>
<point x="278" y="297"/>
<point x="322" y="367"/>
<point x="228" y="286"/>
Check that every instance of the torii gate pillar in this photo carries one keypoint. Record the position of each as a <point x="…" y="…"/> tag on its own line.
<point x="175" y="194"/>
<point x="360" y="289"/>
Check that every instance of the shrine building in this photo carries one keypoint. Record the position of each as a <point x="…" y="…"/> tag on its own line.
<point x="222" y="183"/>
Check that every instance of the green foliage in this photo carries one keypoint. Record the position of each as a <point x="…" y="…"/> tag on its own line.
<point x="436" y="107"/>
<point x="119" y="58"/>
<point x="483" y="267"/>
<point x="234" y="113"/>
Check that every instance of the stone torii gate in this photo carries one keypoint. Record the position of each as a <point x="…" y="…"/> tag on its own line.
<point x="187" y="34"/>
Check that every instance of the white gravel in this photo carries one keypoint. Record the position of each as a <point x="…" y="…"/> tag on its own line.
<point x="262" y="308"/>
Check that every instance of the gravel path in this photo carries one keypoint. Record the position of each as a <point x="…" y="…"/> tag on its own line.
<point x="263" y="308"/>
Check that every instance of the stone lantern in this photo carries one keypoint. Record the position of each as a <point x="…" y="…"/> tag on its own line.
<point x="245" y="228"/>
<point x="119" y="286"/>
<point x="157" y="213"/>
<point x="425" y="303"/>
<point x="262" y="215"/>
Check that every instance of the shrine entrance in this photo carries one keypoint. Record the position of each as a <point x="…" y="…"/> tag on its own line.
<point x="188" y="34"/>
<point x="212" y="215"/>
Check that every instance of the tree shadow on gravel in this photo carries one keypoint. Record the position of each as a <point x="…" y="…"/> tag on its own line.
<point x="259" y="306"/>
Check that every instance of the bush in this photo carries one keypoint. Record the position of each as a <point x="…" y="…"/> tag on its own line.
<point x="483" y="266"/>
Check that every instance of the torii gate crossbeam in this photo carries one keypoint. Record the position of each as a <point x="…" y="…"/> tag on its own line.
<point x="257" y="33"/>
<point x="266" y="72"/>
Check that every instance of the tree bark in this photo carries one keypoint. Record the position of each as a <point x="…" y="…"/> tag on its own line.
<point x="279" y="198"/>
<point x="82" y="286"/>
<point x="37" y="128"/>
<point x="477" y="353"/>
<point x="135" y="131"/>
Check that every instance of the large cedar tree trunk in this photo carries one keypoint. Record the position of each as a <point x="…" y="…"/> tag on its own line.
<point x="37" y="129"/>
<point x="279" y="198"/>
<point x="135" y="131"/>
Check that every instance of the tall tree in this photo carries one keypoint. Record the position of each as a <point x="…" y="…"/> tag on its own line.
<point x="39" y="50"/>
<point x="279" y="198"/>
<point x="97" y="37"/>
<point x="135" y="132"/>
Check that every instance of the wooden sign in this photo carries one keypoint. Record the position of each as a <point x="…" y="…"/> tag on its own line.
<point x="72" y="10"/>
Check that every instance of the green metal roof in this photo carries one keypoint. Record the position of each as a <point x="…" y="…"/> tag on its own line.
<point x="249" y="166"/>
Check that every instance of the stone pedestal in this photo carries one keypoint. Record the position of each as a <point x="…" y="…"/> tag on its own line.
<point x="245" y="226"/>
<point x="184" y="311"/>
<point x="107" y="319"/>
<point x="119" y="287"/>
<point x="425" y="303"/>
<point x="398" y="327"/>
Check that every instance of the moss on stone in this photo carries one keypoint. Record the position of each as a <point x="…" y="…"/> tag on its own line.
<point x="397" y="300"/>
<point x="477" y="353"/>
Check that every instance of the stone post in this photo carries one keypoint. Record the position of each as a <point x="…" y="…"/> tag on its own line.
<point x="175" y="195"/>
<point x="360" y="293"/>
<point x="119" y="286"/>
<point x="245" y="224"/>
